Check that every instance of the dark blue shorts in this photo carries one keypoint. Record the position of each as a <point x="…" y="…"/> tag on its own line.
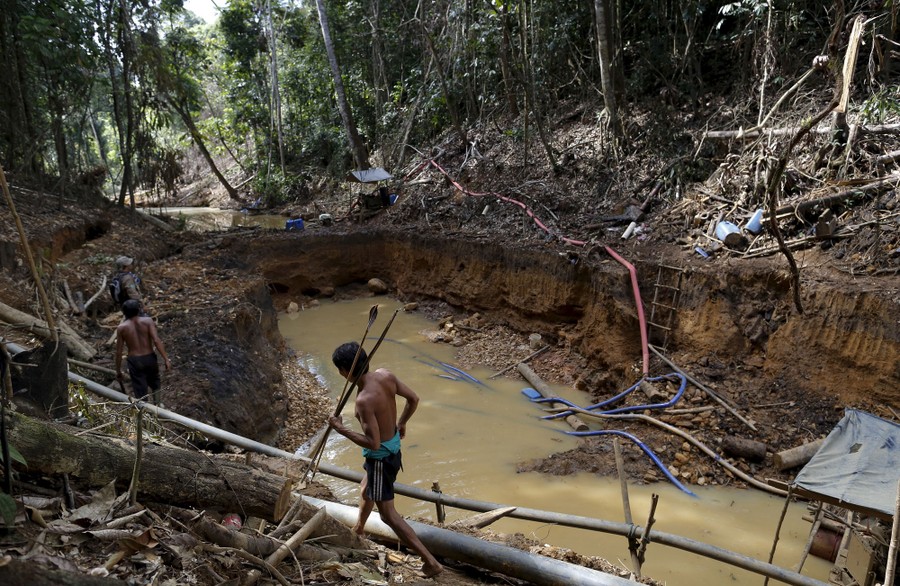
<point x="144" y="373"/>
<point x="380" y="477"/>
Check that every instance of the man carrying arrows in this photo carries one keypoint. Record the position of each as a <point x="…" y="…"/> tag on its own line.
<point x="376" y="410"/>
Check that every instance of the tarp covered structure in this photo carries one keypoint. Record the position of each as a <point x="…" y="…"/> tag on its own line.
<point x="857" y="467"/>
<point x="370" y="175"/>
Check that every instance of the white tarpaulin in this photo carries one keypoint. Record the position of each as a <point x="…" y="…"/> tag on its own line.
<point x="371" y="175"/>
<point x="859" y="463"/>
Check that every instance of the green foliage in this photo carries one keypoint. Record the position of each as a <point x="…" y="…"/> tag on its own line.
<point x="7" y="509"/>
<point x="880" y="106"/>
<point x="78" y="70"/>
<point x="15" y="456"/>
<point x="276" y="188"/>
<point x="118" y="418"/>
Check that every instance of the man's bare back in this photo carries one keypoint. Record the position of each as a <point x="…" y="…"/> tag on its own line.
<point x="377" y="397"/>
<point x="137" y="333"/>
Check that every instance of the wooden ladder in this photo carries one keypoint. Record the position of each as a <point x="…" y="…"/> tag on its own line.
<point x="666" y="297"/>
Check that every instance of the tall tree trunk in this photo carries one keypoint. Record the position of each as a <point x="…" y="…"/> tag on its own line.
<point x="445" y="89"/>
<point x="105" y="31"/>
<point x="276" y="91"/>
<point x="33" y="159"/>
<point x="8" y="99"/>
<point x="528" y="82"/>
<point x="379" y="77"/>
<point x="356" y="144"/>
<point x="57" y="125"/>
<point x="185" y="116"/>
<point x="126" y="44"/>
<point x="509" y="83"/>
<point x="605" y="51"/>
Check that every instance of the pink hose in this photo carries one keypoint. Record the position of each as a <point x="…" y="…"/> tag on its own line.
<point x="645" y="352"/>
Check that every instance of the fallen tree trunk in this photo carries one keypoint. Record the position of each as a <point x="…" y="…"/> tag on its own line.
<point x="796" y="456"/>
<point x="806" y="207"/>
<point x="168" y="475"/>
<point x="740" y="447"/>
<point x="78" y="347"/>
<point x="726" y="134"/>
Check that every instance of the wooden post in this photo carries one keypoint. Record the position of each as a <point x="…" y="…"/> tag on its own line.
<point x="441" y="513"/>
<point x="787" y="502"/>
<point x="892" y="548"/>
<point x="633" y="543"/>
<point x="139" y="453"/>
<point x="812" y="535"/>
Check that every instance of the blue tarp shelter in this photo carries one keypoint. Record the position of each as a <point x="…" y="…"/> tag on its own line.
<point x="373" y="175"/>
<point x="857" y="467"/>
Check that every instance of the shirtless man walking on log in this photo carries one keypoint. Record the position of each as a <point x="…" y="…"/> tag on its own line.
<point x="376" y="410"/>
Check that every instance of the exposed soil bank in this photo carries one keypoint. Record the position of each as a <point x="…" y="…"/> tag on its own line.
<point x="732" y="316"/>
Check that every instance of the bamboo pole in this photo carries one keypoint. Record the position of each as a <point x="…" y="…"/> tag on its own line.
<point x="26" y="249"/>
<point x="812" y="536"/>
<point x="892" y="548"/>
<point x="523" y="361"/>
<point x="787" y="502"/>
<point x="683" y="434"/>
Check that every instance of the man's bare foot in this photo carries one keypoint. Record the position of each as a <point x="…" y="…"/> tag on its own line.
<point x="431" y="571"/>
<point x="360" y="531"/>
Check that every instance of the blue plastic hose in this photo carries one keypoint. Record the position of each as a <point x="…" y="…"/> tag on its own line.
<point x="643" y="447"/>
<point x="671" y="402"/>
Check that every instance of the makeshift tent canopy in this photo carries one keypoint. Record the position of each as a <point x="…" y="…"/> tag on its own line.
<point x="857" y="467"/>
<point x="370" y="175"/>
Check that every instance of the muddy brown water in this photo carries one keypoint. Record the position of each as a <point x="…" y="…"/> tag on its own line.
<point x="215" y="219"/>
<point x="469" y="437"/>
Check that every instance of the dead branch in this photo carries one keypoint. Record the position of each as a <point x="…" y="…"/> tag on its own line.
<point x="74" y="306"/>
<point x="97" y="294"/>
<point x="790" y="130"/>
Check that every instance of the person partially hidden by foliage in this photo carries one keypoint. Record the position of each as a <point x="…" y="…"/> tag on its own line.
<point x="138" y="333"/>
<point x="376" y="410"/>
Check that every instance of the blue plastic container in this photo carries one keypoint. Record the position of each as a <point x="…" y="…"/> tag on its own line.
<point x="294" y="224"/>
<point x="723" y="229"/>
<point x="754" y="224"/>
<point x="393" y="198"/>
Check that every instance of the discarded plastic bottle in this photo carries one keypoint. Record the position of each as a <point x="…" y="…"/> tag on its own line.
<point x="754" y="224"/>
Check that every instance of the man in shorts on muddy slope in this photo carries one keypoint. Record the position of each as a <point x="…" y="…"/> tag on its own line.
<point x="138" y="332"/>
<point x="376" y="410"/>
